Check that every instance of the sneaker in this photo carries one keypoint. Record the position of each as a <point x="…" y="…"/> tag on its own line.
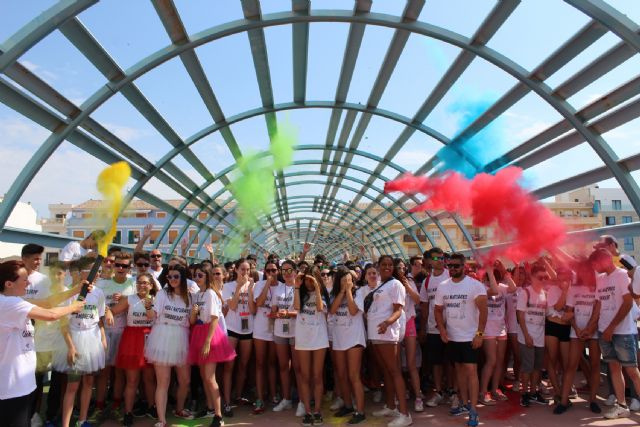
<point x="617" y="411"/>
<point x="116" y="412"/>
<point x="328" y="396"/>
<point x="418" y="405"/>
<point x="401" y="421"/>
<point x="560" y="409"/>
<point x="185" y="414"/>
<point x="275" y="400"/>
<point x="516" y="387"/>
<point x="486" y="399"/>
<point x="539" y="399"/>
<point x="258" y="407"/>
<point x="283" y="405"/>
<point x="337" y="404"/>
<point x="474" y="419"/>
<point x="573" y="393"/>
<point x="595" y="408"/>
<point x="160" y="424"/>
<point x="317" y="419"/>
<point x="634" y="405"/>
<point x="36" y="420"/>
<point x="152" y="412"/>
<point x="98" y="415"/>
<point x="455" y="401"/>
<point x="460" y="410"/>
<point x="343" y="412"/>
<point x="307" y="420"/>
<point x="385" y="412"/>
<point x="498" y="395"/>
<point x="300" y="411"/>
<point x="227" y="411"/>
<point x="434" y="400"/>
<point x="216" y="422"/>
<point x="611" y="400"/>
<point x="205" y="413"/>
<point x="377" y="396"/>
<point x="525" y="400"/>
<point x="357" y="418"/>
<point x="128" y="419"/>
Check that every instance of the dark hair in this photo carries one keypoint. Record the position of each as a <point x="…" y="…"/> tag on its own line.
<point x="122" y="255"/>
<point x="383" y="257"/>
<point x="207" y="264"/>
<point x="152" y="281"/>
<point x="208" y="274"/>
<point x="252" y="257"/>
<point x="397" y="273"/>
<point x="363" y="277"/>
<point x="320" y="258"/>
<point x="180" y="259"/>
<point x="434" y="250"/>
<point x="291" y="263"/>
<point x="304" y="292"/>
<point x="141" y="255"/>
<point x="414" y="259"/>
<point x="184" y="288"/>
<point x="459" y="256"/>
<point x="599" y="254"/>
<point x="32" y="249"/>
<point x="9" y="272"/>
<point x="337" y="277"/>
<point x="112" y="250"/>
<point x="301" y="263"/>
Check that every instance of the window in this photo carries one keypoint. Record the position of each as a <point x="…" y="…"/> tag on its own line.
<point x="192" y="253"/>
<point x="610" y="220"/>
<point x="576" y="200"/>
<point x="596" y="206"/>
<point x="155" y="234"/>
<point x="626" y="219"/>
<point x="118" y="237"/>
<point x="203" y="216"/>
<point x="435" y="234"/>
<point x="214" y="238"/>
<point x="141" y="214"/>
<point x="616" y="205"/>
<point x="628" y="244"/>
<point x="87" y="215"/>
<point x="134" y="236"/>
<point x="173" y="235"/>
<point x="161" y="214"/>
<point x="78" y="233"/>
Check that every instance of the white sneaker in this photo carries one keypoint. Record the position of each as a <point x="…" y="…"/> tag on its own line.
<point x="328" y="396"/>
<point x="36" y="420"/>
<point x="634" y="406"/>
<point x="611" y="400"/>
<point x="386" y="412"/>
<point x="435" y="400"/>
<point x="337" y="404"/>
<point x="283" y="405"/>
<point x="455" y="400"/>
<point x="300" y="411"/>
<point x="401" y="421"/>
<point x="617" y="411"/>
<point x="418" y="406"/>
<point x="516" y="387"/>
<point x="377" y="396"/>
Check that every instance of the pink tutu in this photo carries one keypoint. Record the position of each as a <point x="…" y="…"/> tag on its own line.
<point x="221" y="350"/>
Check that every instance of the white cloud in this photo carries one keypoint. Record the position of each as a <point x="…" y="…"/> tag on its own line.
<point x="22" y="131"/>
<point x="126" y="133"/>
<point x="46" y="75"/>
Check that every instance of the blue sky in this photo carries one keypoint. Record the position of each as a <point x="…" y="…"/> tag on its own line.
<point x="535" y="30"/>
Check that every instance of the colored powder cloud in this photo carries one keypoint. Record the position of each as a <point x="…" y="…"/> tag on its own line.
<point x="492" y="201"/>
<point x="111" y="182"/>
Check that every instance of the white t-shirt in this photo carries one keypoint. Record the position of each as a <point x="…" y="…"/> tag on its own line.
<point x="72" y="251"/>
<point x="410" y="305"/>
<point x="534" y="314"/>
<point x="263" y="324"/>
<point x="155" y="273"/>
<point x="460" y="313"/>
<point x="48" y="335"/>
<point x="553" y="295"/>
<point x="348" y="330"/>
<point x="282" y="298"/>
<point x="311" y="325"/>
<point x="381" y="309"/>
<point x="428" y="294"/>
<point x="582" y="299"/>
<point x="209" y="305"/>
<point x="496" y="307"/>
<point x="192" y="286"/>
<point x="611" y="289"/>
<point x="91" y="313"/>
<point x="171" y="309"/>
<point x="239" y="320"/>
<point x="17" y="352"/>
<point x="110" y="287"/>
<point x="510" y="318"/>
<point x="635" y="284"/>
<point x="38" y="287"/>
<point x="137" y="313"/>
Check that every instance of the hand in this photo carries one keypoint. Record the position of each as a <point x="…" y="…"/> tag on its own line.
<point x="498" y="265"/>
<point x="209" y="248"/>
<point x="476" y="343"/>
<point x="362" y="250"/>
<point x="206" y="347"/>
<point x="183" y="246"/>
<point x="607" y="335"/>
<point x="108" y="318"/>
<point x="528" y="340"/>
<point x="146" y="231"/>
<point x="348" y="287"/>
<point x="72" y="355"/>
<point x="382" y="327"/>
<point x="443" y="335"/>
<point x="77" y="306"/>
<point x="306" y="248"/>
<point x="148" y="303"/>
<point x="195" y="309"/>
<point x="282" y="314"/>
<point x="104" y="343"/>
<point x="116" y="297"/>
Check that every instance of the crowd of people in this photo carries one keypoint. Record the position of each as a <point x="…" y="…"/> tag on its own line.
<point x="433" y="330"/>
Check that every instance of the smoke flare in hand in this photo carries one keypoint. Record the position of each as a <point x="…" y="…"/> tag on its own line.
<point x="110" y="183"/>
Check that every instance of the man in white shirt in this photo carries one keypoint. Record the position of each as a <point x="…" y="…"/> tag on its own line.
<point x="616" y="326"/>
<point x="75" y="250"/>
<point x="461" y="315"/>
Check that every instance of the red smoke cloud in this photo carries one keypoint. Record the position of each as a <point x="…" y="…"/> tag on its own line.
<point x="495" y="201"/>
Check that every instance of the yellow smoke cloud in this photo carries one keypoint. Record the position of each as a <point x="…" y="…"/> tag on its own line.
<point x="110" y="183"/>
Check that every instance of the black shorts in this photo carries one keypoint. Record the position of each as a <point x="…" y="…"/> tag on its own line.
<point x="239" y="336"/>
<point x="462" y="352"/>
<point x="435" y="349"/>
<point x="553" y="329"/>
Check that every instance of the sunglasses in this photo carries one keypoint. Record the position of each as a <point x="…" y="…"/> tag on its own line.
<point x="143" y="283"/>
<point x="455" y="265"/>
<point x="173" y="276"/>
<point x="437" y="258"/>
<point x="119" y="265"/>
<point x="200" y="275"/>
<point x="217" y="274"/>
<point x="271" y="270"/>
<point x="155" y="255"/>
<point x="287" y="270"/>
<point x="108" y="261"/>
<point x="325" y="274"/>
<point x="142" y="264"/>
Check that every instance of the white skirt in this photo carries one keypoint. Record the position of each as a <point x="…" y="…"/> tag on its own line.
<point x="90" y="353"/>
<point x="167" y="345"/>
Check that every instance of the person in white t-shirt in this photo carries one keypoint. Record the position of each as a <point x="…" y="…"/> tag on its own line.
<point x="310" y="301"/>
<point x="266" y="360"/>
<point x="349" y="341"/>
<point x="240" y="310"/>
<point x="617" y="328"/>
<point x="142" y="262"/>
<point x="75" y="250"/>
<point x="384" y="325"/>
<point x="461" y="316"/>
<point x="17" y="352"/>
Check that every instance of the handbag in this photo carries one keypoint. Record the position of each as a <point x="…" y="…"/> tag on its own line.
<point x="368" y="300"/>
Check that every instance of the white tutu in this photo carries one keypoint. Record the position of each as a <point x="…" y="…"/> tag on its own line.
<point x="90" y="353"/>
<point x="167" y="345"/>
<point x="113" y="342"/>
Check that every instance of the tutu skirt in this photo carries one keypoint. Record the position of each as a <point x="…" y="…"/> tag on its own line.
<point x="167" y="345"/>
<point x="131" y="350"/>
<point x="90" y="357"/>
<point x="220" y="350"/>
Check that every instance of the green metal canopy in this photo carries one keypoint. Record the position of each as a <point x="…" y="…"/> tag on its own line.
<point x="307" y="217"/>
